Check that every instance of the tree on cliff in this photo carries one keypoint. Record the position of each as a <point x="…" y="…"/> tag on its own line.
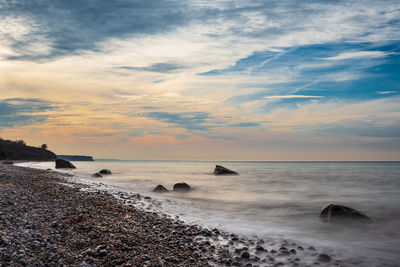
<point x="44" y="146"/>
<point x="20" y="143"/>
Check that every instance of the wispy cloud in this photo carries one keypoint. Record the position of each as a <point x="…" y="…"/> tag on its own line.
<point x="245" y="124"/>
<point x="158" y="67"/>
<point x="291" y="96"/>
<point x="351" y="127"/>
<point x="20" y="112"/>
<point x="358" y="54"/>
<point x="387" y="92"/>
<point x="187" y="120"/>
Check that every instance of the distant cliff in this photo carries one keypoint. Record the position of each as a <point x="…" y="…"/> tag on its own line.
<point x="18" y="150"/>
<point x="75" y="157"/>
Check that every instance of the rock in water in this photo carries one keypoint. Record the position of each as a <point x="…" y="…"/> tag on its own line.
<point x="64" y="164"/>
<point x="105" y="171"/>
<point x="323" y="257"/>
<point x="331" y="212"/>
<point x="97" y="175"/>
<point x="160" y="189"/>
<point x="182" y="187"/>
<point x="220" y="170"/>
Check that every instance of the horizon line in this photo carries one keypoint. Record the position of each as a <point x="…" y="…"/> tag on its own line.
<point x="111" y="159"/>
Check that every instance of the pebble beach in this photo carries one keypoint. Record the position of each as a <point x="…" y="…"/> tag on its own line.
<point x="47" y="219"/>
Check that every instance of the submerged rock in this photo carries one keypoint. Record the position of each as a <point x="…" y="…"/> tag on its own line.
<point x="64" y="164"/>
<point x="97" y="175"/>
<point x="331" y="212"/>
<point x="105" y="171"/>
<point x="182" y="187"/>
<point x="221" y="170"/>
<point x="160" y="189"/>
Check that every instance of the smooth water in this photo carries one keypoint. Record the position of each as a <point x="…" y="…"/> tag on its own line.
<point x="279" y="200"/>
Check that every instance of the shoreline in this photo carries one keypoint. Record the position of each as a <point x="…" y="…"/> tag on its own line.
<point x="48" y="219"/>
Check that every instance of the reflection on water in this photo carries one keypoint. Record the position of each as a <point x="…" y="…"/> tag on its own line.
<point x="274" y="198"/>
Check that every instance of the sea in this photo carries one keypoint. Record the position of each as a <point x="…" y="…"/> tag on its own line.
<point x="271" y="200"/>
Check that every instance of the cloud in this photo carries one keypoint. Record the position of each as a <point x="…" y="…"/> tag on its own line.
<point x="387" y="92"/>
<point x="187" y="120"/>
<point x="358" y="54"/>
<point x="16" y="112"/>
<point x="182" y="136"/>
<point x="351" y="127"/>
<point x="245" y="124"/>
<point x="14" y="106"/>
<point x="48" y="29"/>
<point x="291" y="96"/>
<point x="68" y="27"/>
<point x="158" y="67"/>
<point x="94" y="134"/>
<point x="137" y="133"/>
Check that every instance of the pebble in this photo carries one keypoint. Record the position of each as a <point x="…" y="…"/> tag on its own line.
<point x="146" y="257"/>
<point x="102" y="253"/>
<point x="245" y="255"/>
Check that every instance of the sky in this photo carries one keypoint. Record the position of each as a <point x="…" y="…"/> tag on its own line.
<point x="203" y="80"/>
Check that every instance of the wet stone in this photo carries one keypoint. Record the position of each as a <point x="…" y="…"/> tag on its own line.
<point x="260" y="248"/>
<point x="146" y="258"/>
<point x="323" y="257"/>
<point x="245" y="255"/>
<point x="283" y="253"/>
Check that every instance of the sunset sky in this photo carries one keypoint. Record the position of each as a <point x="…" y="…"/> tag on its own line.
<point x="206" y="80"/>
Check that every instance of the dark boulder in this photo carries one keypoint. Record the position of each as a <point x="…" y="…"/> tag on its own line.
<point x="331" y="212"/>
<point x="324" y="257"/>
<point x="182" y="187"/>
<point x="220" y="170"/>
<point x="8" y="162"/>
<point x="97" y="175"/>
<point x="160" y="189"/>
<point x="105" y="171"/>
<point x="64" y="164"/>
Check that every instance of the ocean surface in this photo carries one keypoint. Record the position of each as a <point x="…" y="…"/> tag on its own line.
<point x="273" y="200"/>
